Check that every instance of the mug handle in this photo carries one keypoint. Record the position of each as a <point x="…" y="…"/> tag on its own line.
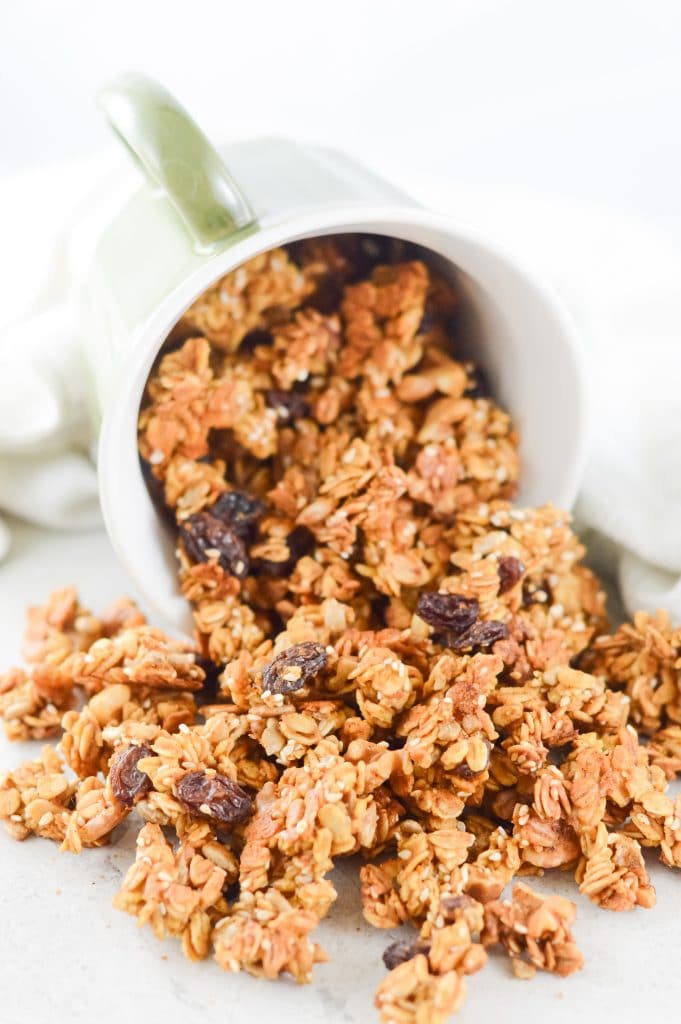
<point x="176" y="155"/>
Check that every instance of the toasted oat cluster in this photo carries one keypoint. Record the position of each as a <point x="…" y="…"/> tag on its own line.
<point x="391" y="660"/>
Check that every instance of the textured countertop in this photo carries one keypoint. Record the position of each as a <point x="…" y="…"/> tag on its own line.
<point x="65" y="954"/>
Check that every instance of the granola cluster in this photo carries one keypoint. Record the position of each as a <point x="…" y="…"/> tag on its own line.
<point x="390" y="659"/>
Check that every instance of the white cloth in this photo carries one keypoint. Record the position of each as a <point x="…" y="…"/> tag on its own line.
<point x="51" y="220"/>
<point x="618" y="276"/>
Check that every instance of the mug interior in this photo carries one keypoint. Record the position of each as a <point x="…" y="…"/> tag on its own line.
<point x="511" y="325"/>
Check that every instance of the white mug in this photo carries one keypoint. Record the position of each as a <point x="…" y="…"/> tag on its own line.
<point x="191" y="223"/>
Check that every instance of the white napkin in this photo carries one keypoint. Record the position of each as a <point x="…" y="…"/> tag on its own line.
<point x="618" y="276"/>
<point x="51" y="221"/>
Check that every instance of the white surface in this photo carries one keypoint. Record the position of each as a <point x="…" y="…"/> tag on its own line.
<point x="577" y="96"/>
<point x="65" y="954"/>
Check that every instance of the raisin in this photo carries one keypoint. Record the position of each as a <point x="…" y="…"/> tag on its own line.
<point x="127" y="782"/>
<point x="203" y="534"/>
<point x="288" y="405"/>
<point x="452" y="614"/>
<point x="399" y="952"/>
<point x="300" y="542"/>
<point x="294" y="668"/>
<point x="240" y="511"/>
<point x="214" y="797"/>
<point x="510" y="570"/>
<point x="480" y="634"/>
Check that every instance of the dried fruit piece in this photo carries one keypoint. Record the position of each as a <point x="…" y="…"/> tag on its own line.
<point x="128" y="783"/>
<point x="299" y="542"/>
<point x="288" y="405"/>
<point x="241" y="511"/>
<point x="480" y="634"/>
<point x="204" y="536"/>
<point x="399" y="952"/>
<point x="510" y="570"/>
<point x="294" y="668"/>
<point x="214" y="797"/>
<point x="447" y="613"/>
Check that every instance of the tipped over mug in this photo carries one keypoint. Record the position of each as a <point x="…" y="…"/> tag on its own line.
<point x="202" y="212"/>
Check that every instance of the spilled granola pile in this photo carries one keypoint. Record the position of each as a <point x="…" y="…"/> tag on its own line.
<point x="390" y="658"/>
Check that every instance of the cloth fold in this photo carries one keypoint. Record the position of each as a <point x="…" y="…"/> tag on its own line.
<point x="617" y="275"/>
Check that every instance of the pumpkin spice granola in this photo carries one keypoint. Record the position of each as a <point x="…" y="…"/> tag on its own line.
<point x="390" y="658"/>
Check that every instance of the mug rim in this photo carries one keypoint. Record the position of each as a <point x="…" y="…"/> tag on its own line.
<point x="117" y="446"/>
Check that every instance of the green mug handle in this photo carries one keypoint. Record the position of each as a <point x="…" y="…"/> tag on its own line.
<point x="176" y="155"/>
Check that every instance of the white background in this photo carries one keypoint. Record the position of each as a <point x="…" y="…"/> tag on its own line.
<point x="580" y="97"/>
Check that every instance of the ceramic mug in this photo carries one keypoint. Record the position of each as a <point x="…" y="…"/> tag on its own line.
<point x="191" y="223"/>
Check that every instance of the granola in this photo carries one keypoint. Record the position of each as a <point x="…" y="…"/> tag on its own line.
<point x="390" y="659"/>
